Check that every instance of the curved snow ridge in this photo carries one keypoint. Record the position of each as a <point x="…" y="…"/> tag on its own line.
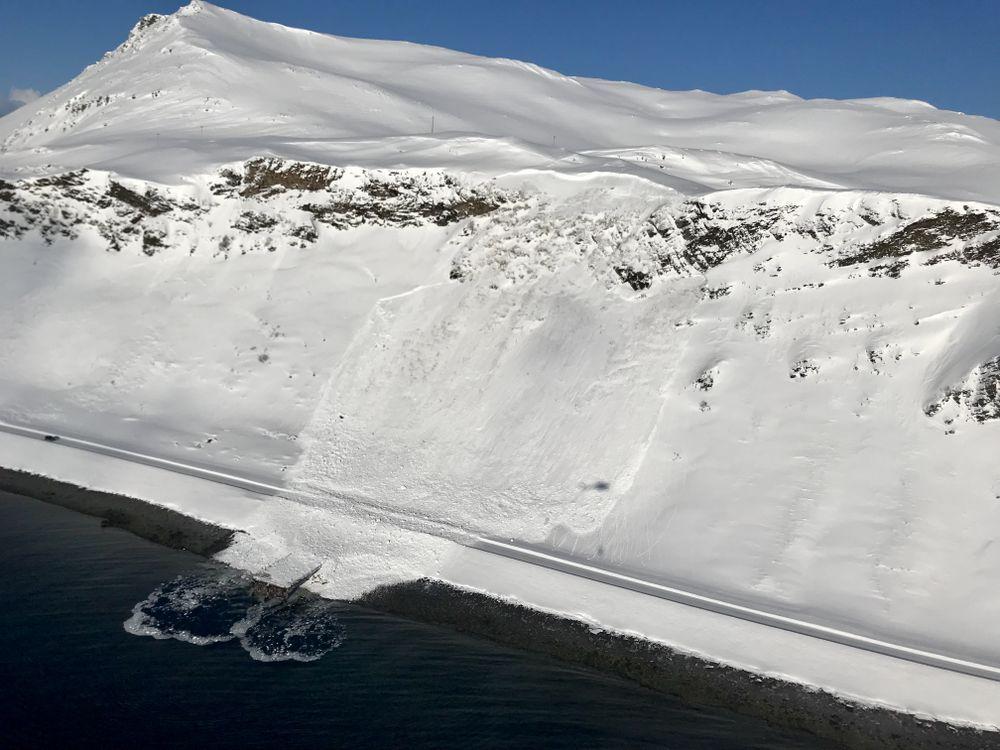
<point x="970" y="347"/>
<point x="716" y="170"/>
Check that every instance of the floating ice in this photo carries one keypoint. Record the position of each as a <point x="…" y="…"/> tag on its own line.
<point x="198" y="607"/>
<point x="296" y="630"/>
<point x="213" y="604"/>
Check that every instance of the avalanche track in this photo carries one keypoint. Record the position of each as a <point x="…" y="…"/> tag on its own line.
<point x="542" y="557"/>
<point x="596" y="348"/>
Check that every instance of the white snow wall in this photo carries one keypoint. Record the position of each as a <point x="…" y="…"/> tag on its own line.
<point x="805" y="478"/>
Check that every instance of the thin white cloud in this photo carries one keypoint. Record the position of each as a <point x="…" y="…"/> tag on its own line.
<point x="23" y="96"/>
<point x="16" y="98"/>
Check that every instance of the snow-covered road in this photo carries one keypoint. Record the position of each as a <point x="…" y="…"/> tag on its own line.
<point x="539" y="556"/>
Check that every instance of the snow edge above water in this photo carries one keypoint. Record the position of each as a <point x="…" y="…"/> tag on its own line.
<point x="861" y="677"/>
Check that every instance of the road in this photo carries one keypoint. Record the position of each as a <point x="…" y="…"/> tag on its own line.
<point x="536" y="556"/>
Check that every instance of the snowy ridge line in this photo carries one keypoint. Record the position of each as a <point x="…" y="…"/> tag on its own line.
<point x="534" y="556"/>
<point x="564" y="564"/>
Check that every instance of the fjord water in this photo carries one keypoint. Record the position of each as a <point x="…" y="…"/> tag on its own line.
<point x="332" y="675"/>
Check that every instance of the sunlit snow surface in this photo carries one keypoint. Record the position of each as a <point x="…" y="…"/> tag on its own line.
<point x="206" y="86"/>
<point x="705" y="339"/>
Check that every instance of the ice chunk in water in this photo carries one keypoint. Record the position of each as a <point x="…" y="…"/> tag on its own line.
<point x="213" y="604"/>
<point x="302" y="629"/>
<point x="199" y="607"/>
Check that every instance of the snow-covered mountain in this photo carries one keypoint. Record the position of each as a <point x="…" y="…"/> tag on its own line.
<point x="208" y="86"/>
<point x="747" y="343"/>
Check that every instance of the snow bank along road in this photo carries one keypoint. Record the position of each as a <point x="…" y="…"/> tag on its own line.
<point x="538" y="556"/>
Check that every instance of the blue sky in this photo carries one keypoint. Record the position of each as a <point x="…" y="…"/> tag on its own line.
<point x="946" y="53"/>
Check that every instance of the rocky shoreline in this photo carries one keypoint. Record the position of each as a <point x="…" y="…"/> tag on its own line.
<point x="692" y="679"/>
<point x="153" y="522"/>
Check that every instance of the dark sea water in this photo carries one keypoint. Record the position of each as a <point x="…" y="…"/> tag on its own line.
<point x="335" y="676"/>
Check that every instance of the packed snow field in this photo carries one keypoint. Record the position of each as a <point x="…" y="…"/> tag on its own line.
<point x="746" y="344"/>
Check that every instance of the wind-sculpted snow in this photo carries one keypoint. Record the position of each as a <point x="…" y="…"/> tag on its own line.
<point x="977" y="398"/>
<point x="205" y="87"/>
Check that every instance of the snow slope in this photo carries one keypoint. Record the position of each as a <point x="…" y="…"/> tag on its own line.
<point x="745" y="344"/>
<point x="777" y="442"/>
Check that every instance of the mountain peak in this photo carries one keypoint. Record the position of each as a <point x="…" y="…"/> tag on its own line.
<point x="152" y="22"/>
<point x="204" y="86"/>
